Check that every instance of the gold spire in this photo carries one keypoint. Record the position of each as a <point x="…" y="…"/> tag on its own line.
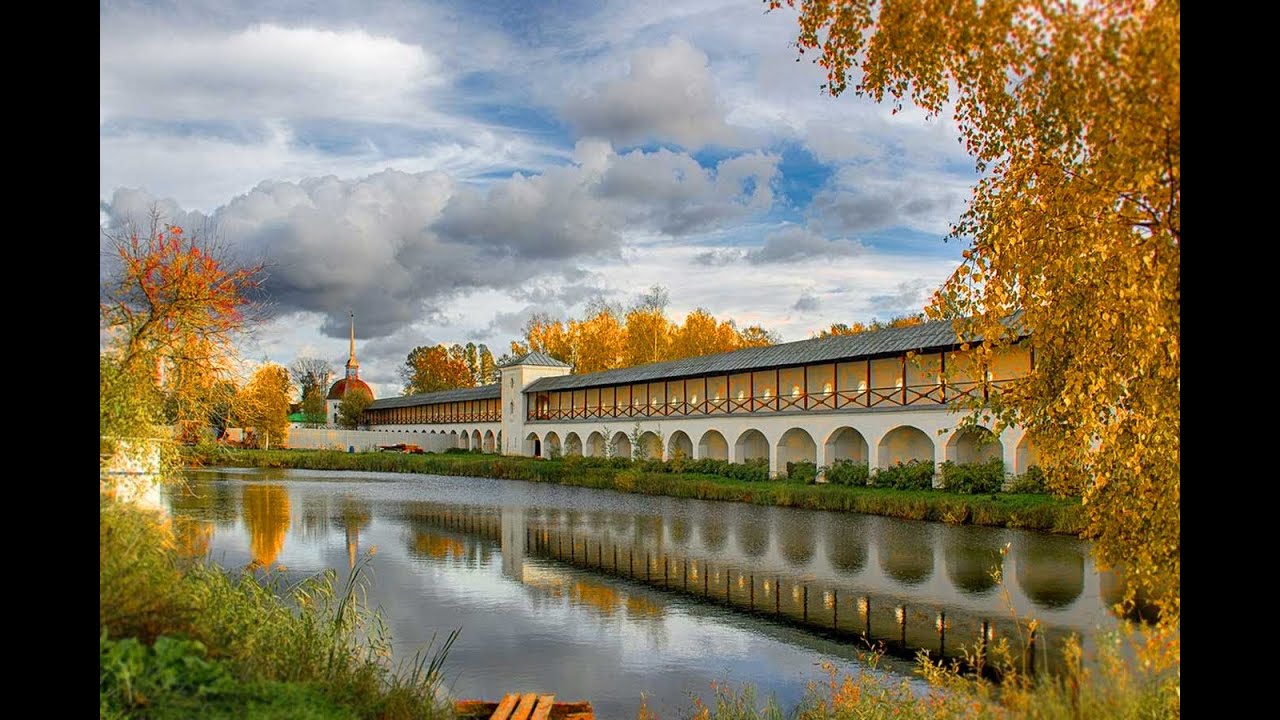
<point x="351" y="361"/>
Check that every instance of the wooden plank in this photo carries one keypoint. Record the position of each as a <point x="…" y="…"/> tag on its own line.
<point x="543" y="710"/>
<point x="505" y="707"/>
<point x="527" y="701"/>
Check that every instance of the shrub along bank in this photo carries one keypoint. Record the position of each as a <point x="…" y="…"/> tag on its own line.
<point x="901" y="491"/>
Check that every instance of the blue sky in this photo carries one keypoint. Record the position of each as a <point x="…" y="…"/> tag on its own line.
<point x="444" y="170"/>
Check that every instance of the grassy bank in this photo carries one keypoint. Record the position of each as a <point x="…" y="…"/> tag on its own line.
<point x="183" y="639"/>
<point x="1030" y="511"/>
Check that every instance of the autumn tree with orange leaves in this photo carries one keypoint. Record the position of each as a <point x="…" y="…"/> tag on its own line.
<point x="171" y="306"/>
<point x="435" y="368"/>
<point x="1072" y="113"/>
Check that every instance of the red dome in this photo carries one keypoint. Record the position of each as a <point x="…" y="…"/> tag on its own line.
<point x="340" y="388"/>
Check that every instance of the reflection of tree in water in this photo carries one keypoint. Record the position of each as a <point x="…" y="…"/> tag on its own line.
<point x="713" y="531"/>
<point x="970" y="562"/>
<point x="266" y="515"/>
<point x="191" y="537"/>
<point x="1113" y="586"/>
<point x="678" y="526"/>
<point x="752" y="533"/>
<point x="1050" y="570"/>
<point x="796" y="541"/>
<point x="353" y="515"/>
<point x="424" y="543"/>
<point x="601" y="598"/>
<point x="906" y="553"/>
<point x="847" y="544"/>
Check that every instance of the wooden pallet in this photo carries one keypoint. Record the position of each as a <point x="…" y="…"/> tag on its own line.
<point x="526" y="706"/>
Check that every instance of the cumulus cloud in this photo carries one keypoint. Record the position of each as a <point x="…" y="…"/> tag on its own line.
<point x="909" y="296"/>
<point x="271" y="71"/>
<point x="865" y="199"/>
<point x="668" y="94"/>
<point x="794" y="243"/>
<point x="807" y="302"/>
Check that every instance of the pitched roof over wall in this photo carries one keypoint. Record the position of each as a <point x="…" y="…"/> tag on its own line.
<point x="936" y="335"/>
<point x="536" y="358"/>
<point x="484" y="392"/>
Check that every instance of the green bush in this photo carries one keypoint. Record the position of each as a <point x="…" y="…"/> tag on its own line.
<point x="848" y="472"/>
<point x="802" y="472"/>
<point x="973" y="478"/>
<point x="749" y="470"/>
<point x="1032" y="481"/>
<point x="913" y="475"/>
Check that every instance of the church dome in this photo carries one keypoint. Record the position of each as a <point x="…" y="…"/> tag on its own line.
<point x="341" y="387"/>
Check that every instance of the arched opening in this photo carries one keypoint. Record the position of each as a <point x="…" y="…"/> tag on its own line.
<point x="621" y="445"/>
<point x="970" y="564"/>
<point x="904" y="444"/>
<point x="532" y="446"/>
<point x="974" y="444"/>
<point x="713" y="446"/>
<point x="680" y="446"/>
<point x="1026" y="454"/>
<point x="795" y="446"/>
<point x="489" y="443"/>
<point x="594" y="446"/>
<point x="475" y="440"/>
<point x="551" y="445"/>
<point x="498" y="441"/>
<point x="848" y="444"/>
<point x="572" y="445"/>
<point x="752" y="445"/>
<point x="1050" y="570"/>
<point x="454" y="440"/>
<point x="650" y="446"/>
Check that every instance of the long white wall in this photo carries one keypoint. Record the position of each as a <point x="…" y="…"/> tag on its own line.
<point x="433" y="438"/>
<point x="890" y="435"/>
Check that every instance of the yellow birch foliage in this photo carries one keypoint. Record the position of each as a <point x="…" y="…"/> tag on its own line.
<point x="1071" y="110"/>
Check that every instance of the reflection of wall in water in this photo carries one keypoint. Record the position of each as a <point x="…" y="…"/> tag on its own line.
<point x="513" y="537"/>
<point x="1050" y="571"/>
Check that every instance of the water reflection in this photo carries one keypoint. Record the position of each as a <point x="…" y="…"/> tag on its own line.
<point x="545" y="570"/>
<point x="971" y="566"/>
<point x="1050" y="571"/>
<point x="906" y="553"/>
<point x="266" y="517"/>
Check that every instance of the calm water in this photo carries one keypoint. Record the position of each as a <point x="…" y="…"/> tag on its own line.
<point x="603" y="596"/>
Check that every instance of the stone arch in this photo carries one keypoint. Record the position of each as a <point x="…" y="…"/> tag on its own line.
<point x="713" y="446"/>
<point x="973" y="444"/>
<point x="551" y="445"/>
<point x="1026" y="454"/>
<point x="796" y="445"/>
<point x="847" y="443"/>
<point x="572" y="445"/>
<point x="532" y="445"/>
<point x="476" y="440"/>
<point x="489" y="443"/>
<point x="1050" y="570"/>
<point x="752" y="445"/>
<point x="621" y="445"/>
<point x="680" y="445"/>
<point x="650" y="446"/>
<point x="904" y="444"/>
<point x="594" y="446"/>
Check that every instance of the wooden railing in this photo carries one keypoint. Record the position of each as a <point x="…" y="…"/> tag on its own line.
<point x="939" y="394"/>
<point x="377" y="419"/>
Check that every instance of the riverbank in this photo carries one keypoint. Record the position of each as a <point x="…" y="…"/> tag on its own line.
<point x="1013" y="510"/>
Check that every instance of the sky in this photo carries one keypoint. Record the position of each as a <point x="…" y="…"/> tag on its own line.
<point x="446" y="169"/>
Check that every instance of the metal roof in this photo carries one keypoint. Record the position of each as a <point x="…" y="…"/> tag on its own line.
<point x="536" y="358"/>
<point x="926" y="336"/>
<point x="484" y="392"/>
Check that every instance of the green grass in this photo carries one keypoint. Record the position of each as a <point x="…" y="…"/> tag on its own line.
<point x="1030" y="511"/>
<point x="181" y="638"/>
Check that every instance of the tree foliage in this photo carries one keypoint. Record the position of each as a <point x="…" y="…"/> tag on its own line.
<point x="171" y="304"/>
<point x="1071" y="111"/>
<point x="352" y="407"/>
<point x="435" y="368"/>
<point x="858" y="328"/>
<point x="263" y="405"/>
